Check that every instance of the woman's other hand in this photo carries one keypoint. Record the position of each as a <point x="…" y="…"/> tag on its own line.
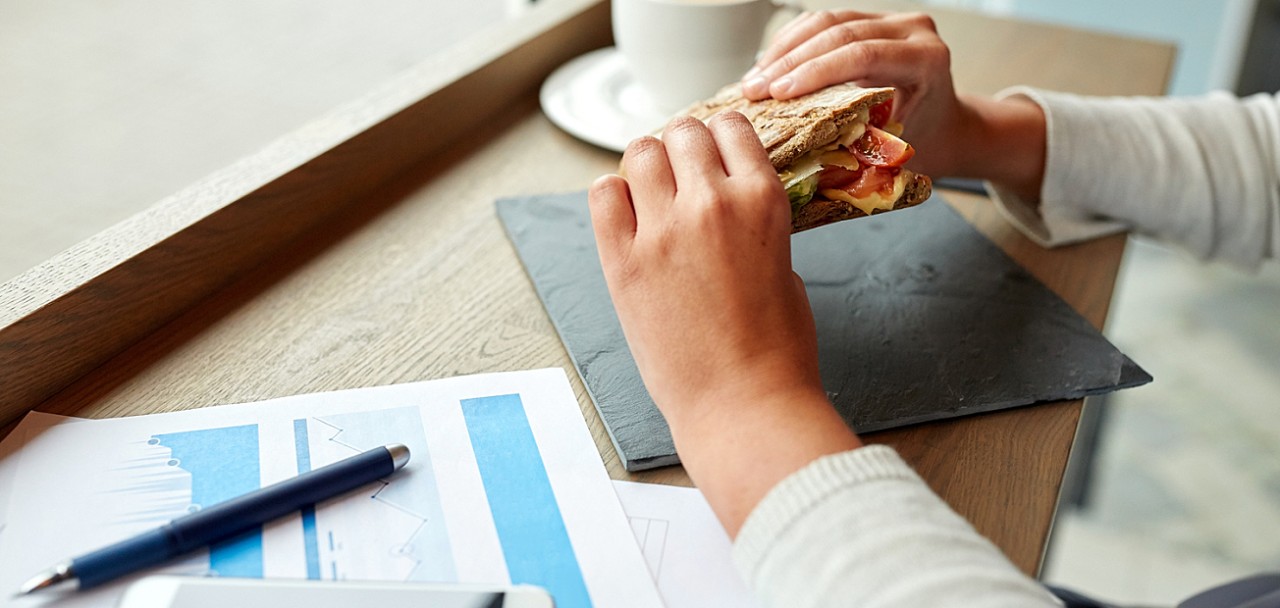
<point x="903" y="51"/>
<point x="956" y="135"/>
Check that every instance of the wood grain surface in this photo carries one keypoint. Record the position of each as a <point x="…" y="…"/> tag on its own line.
<point x="416" y="280"/>
<point x="68" y="315"/>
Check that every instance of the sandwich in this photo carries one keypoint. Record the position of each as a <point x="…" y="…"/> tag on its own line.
<point x="836" y="151"/>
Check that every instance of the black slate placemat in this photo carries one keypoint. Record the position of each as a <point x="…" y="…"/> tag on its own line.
<point x="919" y="318"/>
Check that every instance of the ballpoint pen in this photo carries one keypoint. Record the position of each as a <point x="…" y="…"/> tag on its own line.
<point x="223" y="520"/>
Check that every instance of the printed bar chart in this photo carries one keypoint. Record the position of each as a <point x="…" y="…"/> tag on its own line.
<point x="223" y="463"/>
<point x="530" y="528"/>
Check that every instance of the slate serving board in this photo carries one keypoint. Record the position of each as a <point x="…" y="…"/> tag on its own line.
<point x="919" y="318"/>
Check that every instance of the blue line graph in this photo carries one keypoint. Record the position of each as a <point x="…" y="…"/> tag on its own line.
<point x="401" y="532"/>
<point x="532" y="533"/>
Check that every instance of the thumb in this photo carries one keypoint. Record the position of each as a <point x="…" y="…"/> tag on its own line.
<point x="613" y="218"/>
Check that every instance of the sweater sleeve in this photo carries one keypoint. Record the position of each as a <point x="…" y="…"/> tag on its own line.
<point x="860" y="528"/>
<point x="1202" y="172"/>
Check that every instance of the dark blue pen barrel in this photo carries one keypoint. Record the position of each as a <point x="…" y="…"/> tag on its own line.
<point x="149" y="549"/>
<point x="239" y="514"/>
<point x="227" y="519"/>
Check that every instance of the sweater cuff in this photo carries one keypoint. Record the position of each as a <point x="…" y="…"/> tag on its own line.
<point x="801" y="491"/>
<point x="1056" y="222"/>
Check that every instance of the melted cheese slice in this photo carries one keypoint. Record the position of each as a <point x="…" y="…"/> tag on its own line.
<point x="877" y="201"/>
<point x="840" y="157"/>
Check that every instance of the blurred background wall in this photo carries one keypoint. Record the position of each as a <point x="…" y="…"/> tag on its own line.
<point x="1260" y="69"/>
<point x="1211" y="34"/>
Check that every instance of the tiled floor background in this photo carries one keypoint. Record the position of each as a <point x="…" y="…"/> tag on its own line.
<point x="1186" y="491"/>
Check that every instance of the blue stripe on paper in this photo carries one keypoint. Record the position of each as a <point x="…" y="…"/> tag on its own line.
<point x="223" y="463"/>
<point x="310" y="544"/>
<point x="531" y="531"/>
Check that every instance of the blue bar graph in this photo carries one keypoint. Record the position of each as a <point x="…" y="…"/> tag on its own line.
<point x="310" y="544"/>
<point x="223" y="464"/>
<point x="530" y="529"/>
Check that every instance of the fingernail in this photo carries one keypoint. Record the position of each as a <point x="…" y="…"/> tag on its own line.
<point x="751" y="73"/>
<point x="754" y="86"/>
<point x="782" y="86"/>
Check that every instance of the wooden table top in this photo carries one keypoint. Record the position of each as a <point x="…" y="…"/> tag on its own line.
<point x="417" y="281"/>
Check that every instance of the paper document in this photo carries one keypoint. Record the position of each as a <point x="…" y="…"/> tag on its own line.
<point x="504" y="485"/>
<point x="32" y="424"/>
<point x="686" y="548"/>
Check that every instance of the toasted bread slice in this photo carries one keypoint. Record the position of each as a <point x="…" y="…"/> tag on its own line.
<point x="790" y="128"/>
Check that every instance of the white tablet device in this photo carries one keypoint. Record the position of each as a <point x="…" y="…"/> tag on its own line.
<point x="204" y="592"/>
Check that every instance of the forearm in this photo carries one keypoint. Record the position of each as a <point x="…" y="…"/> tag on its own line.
<point x="1202" y="172"/>
<point x="1001" y="141"/>
<point x="739" y="445"/>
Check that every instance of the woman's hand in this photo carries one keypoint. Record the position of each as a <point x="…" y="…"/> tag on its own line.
<point x="962" y="136"/>
<point x="903" y="51"/>
<point x="695" y="246"/>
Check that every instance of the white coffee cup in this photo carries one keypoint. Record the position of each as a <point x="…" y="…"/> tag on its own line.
<point x="680" y="51"/>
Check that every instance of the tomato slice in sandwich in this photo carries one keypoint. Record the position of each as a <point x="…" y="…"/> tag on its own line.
<point x="873" y="180"/>
<point x="837" y="178"/>
<point x="880" y="114"/>
<point x="862" y="183"/>
<point x="880" y="148"/>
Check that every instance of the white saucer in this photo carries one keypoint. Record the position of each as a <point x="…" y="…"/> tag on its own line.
<point x="596" y="99"/>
